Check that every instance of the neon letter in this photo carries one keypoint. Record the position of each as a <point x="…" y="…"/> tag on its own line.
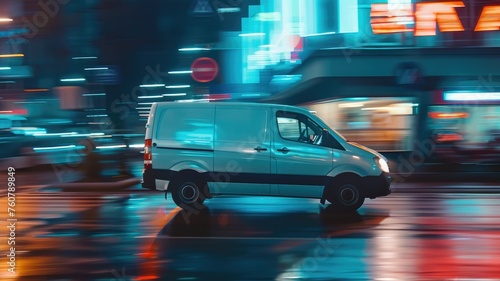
<point x="385" y="20"/>
<point x="489" y="19"/>
<point x="443" y="14"/>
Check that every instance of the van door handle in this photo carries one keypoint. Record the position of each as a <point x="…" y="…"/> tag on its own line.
<point x="260" y="148"/>
<point x="154" y="144"/>
<point x="284" y="150"/>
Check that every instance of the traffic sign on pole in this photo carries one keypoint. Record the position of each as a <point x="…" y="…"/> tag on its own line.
<point x="204" y="70"/>
<point x="202" y="8"/>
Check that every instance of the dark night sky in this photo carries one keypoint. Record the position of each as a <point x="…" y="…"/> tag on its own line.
<point x="135" y="27"/>
<point x="131" y="34"/>
<point x="135" y="35"/>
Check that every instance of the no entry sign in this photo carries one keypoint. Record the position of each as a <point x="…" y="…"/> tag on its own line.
<point x="204" y="70"/>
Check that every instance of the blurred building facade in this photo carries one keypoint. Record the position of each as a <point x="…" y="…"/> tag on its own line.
<point x="384" y="72"/>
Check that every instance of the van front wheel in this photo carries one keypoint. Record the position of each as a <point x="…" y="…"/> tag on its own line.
<point x="189" y="194"/>
<point x="345" y="196"/>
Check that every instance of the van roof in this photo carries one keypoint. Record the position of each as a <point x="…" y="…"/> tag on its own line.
<point x="229" y="104"/>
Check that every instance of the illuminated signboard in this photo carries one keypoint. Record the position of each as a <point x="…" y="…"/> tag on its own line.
<point x="424" y="18"/>
<point x="471" y="96"/>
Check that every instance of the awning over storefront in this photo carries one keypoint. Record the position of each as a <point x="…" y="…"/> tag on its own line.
<point x="328" y="72"/>
<point x="341" y="87"/>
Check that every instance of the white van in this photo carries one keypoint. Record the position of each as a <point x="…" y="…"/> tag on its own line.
<point x="200" y="150"/>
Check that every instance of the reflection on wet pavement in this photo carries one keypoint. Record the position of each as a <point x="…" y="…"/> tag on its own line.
<point x="144" y="237"/>
<point x="253" y="247"/>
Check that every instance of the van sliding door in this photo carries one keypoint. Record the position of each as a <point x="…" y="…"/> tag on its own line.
<point x="242" y="157"/>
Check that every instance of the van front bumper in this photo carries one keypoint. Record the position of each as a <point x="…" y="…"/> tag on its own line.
<point x="377" y="186"/>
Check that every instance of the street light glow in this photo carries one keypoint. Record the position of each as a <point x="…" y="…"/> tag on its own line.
<point x="193" y="49"/>
<point x="96" y="68"/>
<point x="174" y="95"/>
<point x="12" y="56"/>
<point x="83" y="58"/>
<point x="180" y="72"/>
<point x="95" y="94"/>
<point x="73" y="80"/>
<point x="177" y="86"/>
<point x="251" y="34"/>
<point x="150" y="97"/>
<point x="152" y="85"/>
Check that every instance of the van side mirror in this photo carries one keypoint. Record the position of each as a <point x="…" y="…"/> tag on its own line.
<point x="325" y="135"/>
<point x="329" y="141"/>
<point x="326" y="138"/>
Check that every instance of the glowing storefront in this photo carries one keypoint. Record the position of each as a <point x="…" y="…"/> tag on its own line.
<point x="373" y="68"/>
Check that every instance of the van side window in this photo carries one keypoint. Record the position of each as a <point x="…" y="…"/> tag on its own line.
<point x="240" y="124"/>
<point x="178" y="128"/>
<point x="298" y="127"/>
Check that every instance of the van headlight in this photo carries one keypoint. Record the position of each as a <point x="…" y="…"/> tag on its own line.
<point x="382" y="164"/>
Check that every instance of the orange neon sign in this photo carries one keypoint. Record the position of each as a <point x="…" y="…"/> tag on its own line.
<point x="427" y="17"/>
<point x="449" y="137"/>
<point x="442" y="115"/>
<point x="489" y="19"/>
<point x="384" y="20"/>
<point x="444" y="14"/>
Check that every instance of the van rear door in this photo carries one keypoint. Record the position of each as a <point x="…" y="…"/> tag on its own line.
<point x="183" y="134"/>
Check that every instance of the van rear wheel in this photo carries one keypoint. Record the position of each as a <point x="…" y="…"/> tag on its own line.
<point x="345" y="196"/>
<point x="189" y="193"/>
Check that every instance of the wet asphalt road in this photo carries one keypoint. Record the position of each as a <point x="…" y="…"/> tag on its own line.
<point x="138" y="235"/>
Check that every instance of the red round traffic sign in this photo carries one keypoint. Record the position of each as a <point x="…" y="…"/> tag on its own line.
<point x="204" y="70"/>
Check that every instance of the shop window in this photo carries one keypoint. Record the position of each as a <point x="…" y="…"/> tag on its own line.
<point x="385" y="124"/>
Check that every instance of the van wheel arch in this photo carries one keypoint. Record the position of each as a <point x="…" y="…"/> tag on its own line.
<point x="344" y="192"/>
<point x="189" y="189"/>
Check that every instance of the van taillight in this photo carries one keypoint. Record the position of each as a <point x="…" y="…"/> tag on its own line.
<point x="148" y="156"/>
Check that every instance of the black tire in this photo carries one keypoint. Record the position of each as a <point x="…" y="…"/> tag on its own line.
<point x="189" y="192"/>
<point x="345" y="195"/>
